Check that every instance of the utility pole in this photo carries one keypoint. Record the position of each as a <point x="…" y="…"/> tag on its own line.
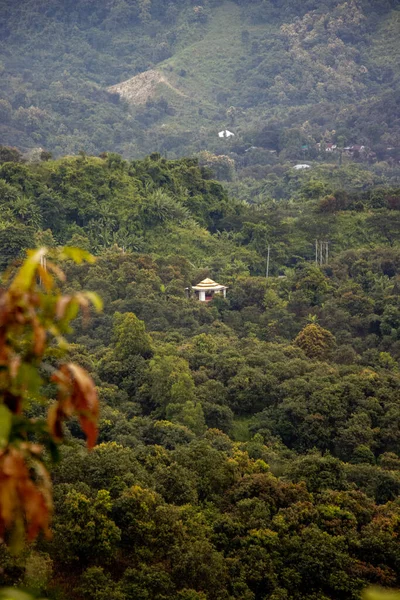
<point x="43" y="264"/>
<point x="268" y="255"/>
<point x="321" y="252"/>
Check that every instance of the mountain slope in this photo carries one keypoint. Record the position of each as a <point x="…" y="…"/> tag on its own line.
<point x="324" y="69"/>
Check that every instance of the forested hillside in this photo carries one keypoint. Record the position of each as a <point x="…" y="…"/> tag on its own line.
<point x="249" y="447"/>
<point x="283" y="76"/>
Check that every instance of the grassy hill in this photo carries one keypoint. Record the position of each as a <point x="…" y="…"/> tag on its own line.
<point x="210" y="63"/>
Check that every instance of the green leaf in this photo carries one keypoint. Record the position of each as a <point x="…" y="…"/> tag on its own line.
<point x="24" y="278"/>
<point x="77" y="255"/>
<point x="5" y="425"/>
<point x="29" y="378"/>
<point x="378" y="593"/>
<point x="71" y="311"/>
<point x="95" y="300"/>
<point x="14" y="594"/>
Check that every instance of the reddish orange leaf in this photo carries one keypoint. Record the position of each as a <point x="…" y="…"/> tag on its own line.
<point x="61" y="306"/>
<point x="21" y="497"/>
<point x="55" y="417"/>
<point x="77" y="392"/>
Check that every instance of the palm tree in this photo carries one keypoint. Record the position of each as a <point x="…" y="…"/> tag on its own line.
<point x="159" y="208"/>
<point x="26" y="211"/>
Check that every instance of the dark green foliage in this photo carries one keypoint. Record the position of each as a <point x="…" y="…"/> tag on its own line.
<point x="13" y="240"/>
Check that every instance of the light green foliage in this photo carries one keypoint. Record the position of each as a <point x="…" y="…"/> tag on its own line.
<point x="130" y="337"/>
<point x="38" y="572"/>
<point x="170" y="380"/>
<point x="93" y="536"/>
<point x="188" y="413"/>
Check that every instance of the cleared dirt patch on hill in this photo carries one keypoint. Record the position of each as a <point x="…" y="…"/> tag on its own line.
<point x="140" y="88"/>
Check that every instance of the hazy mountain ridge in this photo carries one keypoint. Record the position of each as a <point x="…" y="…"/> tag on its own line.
<point x="325" y="69"/>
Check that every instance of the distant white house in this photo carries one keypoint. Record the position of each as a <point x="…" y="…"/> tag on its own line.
<point x="225" y="134"/>
<point x="300" y="167"/>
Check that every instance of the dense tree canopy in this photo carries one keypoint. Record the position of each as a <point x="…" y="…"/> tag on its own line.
<point x="248" y="447"/>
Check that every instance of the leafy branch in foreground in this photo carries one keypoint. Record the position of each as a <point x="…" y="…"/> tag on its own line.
<point x="33" y="315"/>
<point x="379" y="593"/>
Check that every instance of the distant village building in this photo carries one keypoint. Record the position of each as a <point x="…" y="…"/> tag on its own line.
<point x="356" y="149"/>
<point x="225" y="134"/>
<point x="300" y="167"/>
<point x="207" y="289"/>
<point x="328" y="147"/>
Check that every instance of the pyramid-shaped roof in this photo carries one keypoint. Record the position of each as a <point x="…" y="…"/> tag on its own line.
<point x="208" y="284"/>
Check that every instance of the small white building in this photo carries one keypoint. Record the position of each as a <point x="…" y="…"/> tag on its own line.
<point x="225" y="134"/>
<point x="207" y="289"/>
<point x="300" y="167"/>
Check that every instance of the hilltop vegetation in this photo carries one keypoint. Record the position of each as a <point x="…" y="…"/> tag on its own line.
<point x="284" y="76"/>
<point x="249" y="448"/>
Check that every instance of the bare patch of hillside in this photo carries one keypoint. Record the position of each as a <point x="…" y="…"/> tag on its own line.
<point x="140" y="88"/>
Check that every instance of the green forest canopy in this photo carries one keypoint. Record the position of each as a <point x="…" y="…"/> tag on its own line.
<point x="249" y="448"/>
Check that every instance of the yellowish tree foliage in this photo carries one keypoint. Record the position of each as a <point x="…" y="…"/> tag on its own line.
<point x="315" y="341"/>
